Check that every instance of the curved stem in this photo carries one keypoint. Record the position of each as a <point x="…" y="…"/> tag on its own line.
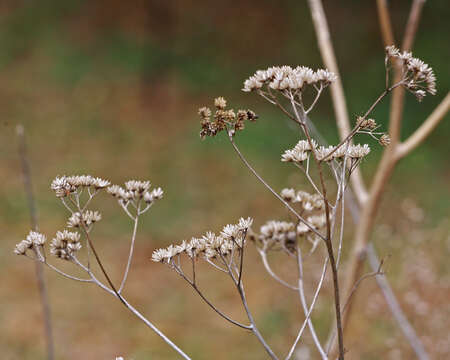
<point x="313" y="303"/>
<point x="130" y="256"/>
<point x="266" y="264"/>
<point x="301" y="293"/>
<point x="244" y="160"/>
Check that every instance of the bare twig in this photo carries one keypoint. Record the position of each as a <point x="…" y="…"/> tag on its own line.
<point x="42" y="286"/>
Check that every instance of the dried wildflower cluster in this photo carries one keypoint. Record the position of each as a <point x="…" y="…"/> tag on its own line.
<point x="369" y="126"/>
<point x="288" y="78"/>
<point x="301" y="151"/>
<point x="274" y="234"/>
<point x="64" y="185"/>
<point x="134" y="191"/>
<point x="223" y="119"/>
<point x="419" y="78"/>
<point x="70" y="190"/>
<point x="87" y="218"/>
<point x="33" y="239"/>
<point x="210" y="245"/>
<point x="65" y="244"/>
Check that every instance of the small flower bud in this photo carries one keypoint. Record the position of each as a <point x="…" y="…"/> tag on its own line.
<point x="220" y="103"/>
<point x="385" y="140"/>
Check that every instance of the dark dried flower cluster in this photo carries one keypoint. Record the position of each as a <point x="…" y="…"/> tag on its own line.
<point x="419" y="78"/>
<point x="366" y="124"/>
<point x="223" y="119"/>
<point x="369" y="126"/>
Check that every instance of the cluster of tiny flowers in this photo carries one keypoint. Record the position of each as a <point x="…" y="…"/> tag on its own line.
<point x="309" y="202"/>
<point x="316" y="221"/>
<point x="351" y="151"/>
<point x="210" y="245"/>
<point x="65" y="244"/>
<point x="135" y="190"/>
<point x="64" y="185"/>
<point x="277" y="232"/>
<point x="299" y="152"/>
<point x="420" y="78"/>
<point x="366" y="124"/>
<point x="274" y="234"/>
<point x="369" y="125"/>
<point x="223" y="118"/>
<point x="33" y="239"/>
<point x="288" y="78"/>
<point x="87" y="218"/>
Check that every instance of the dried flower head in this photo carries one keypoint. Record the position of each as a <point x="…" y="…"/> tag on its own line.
<point x="220" y="103"/>
<point x="33" y="238"/>
<point x="288" y="195"/>
<point x="223" y="119"/>
<point x="210" y="245"/>
<point x="385" y="140"/>
<point x="316" y="221"/>
<point x="65" y="244"/>
<point x="419" y="78"/>
<point x="288" y="78"/>
<point x="299" y="152"/>
<point x="87" y="218"/>
<point x="366" y="124"/>
<point x="61" y="186"/>
<point x="137" y="186"/>
<point x="155" y="194"/>
<point x="358" y="151"/>
<point x="205" y="113"/>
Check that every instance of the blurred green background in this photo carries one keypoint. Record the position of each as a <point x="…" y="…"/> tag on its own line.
<point x="112" y="89"/>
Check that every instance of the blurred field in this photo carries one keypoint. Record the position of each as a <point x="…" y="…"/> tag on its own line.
<point x="112" y="89"/>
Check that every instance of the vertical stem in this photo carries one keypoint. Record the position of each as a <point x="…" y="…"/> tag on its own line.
<point x="328" y="242"/>
<point x="42" y="286"/>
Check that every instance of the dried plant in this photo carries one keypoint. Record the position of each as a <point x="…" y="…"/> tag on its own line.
<point x="314" y="227"/>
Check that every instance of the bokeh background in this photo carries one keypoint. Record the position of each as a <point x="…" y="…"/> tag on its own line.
<point x="112" y="89"/>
